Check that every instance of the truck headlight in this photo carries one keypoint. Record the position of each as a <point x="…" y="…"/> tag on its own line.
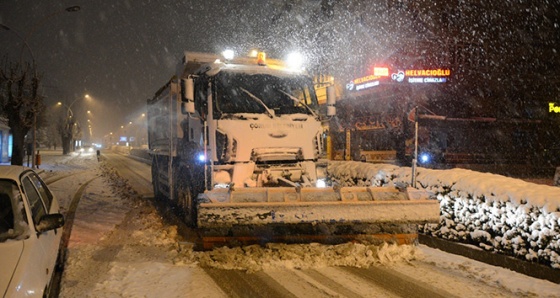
<point x="424" y="158"/>
<point x="201" y="157"/>
<point x="321" y="183"/>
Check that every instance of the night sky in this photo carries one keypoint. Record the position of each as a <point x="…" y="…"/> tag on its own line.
<point x="121" y="52"/>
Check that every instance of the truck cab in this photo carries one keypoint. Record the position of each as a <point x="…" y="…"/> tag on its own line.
<point x="262" y="123"/>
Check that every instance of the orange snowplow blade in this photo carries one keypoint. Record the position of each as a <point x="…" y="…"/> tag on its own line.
<point x="286" y="214"/>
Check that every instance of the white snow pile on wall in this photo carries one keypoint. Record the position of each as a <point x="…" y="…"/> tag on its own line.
<point x="497" y="213"/>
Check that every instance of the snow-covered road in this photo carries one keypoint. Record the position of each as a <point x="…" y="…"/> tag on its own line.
<point x="120" y="246"/>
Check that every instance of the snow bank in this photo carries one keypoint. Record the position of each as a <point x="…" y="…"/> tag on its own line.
<point x="497" y="213"/>
<point x="255" y="258"/>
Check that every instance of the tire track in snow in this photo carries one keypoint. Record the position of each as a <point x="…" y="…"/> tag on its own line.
<point x="240" y="284"/>
<point x="308" y="284"/>
<point x="124" y="167"/>
<point x="55" y="179"/>
<point x="332" y="284"/>
<point x="400" y="284"/>
<point x="65" y="239"/>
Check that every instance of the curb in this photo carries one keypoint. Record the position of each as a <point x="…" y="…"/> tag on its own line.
<point x="472" y="252"/>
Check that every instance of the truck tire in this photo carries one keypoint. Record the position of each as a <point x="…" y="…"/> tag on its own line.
<point x="155" y="178"/>
<point x="185" y="197"/>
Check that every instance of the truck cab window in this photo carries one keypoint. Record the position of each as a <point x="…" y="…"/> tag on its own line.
<point x="253" y="93"/>
<point x="200" y="96"/>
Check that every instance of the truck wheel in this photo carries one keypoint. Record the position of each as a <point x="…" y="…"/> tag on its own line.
<point x="185" y="198"/>
<point x="155" y="179"/>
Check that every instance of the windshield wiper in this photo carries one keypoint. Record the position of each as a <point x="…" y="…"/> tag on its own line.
<point x="269" y="111"/>
<point x="300" y="101"/>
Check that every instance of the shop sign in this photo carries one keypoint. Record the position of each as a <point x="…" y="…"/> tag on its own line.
<point x="363" y="83"/>
<point x="415" y="76"/>
<point x="412" y="76"/>
<point x="552" y="108"/>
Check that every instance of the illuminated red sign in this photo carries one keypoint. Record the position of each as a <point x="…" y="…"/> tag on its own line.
<point x="381" y="71"/>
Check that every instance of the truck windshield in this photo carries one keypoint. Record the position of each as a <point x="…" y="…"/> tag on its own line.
<point x="237" y="93"/>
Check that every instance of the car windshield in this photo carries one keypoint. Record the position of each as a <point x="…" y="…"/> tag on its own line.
<point x="262" y="93"/>
<point x="12" y="220"/>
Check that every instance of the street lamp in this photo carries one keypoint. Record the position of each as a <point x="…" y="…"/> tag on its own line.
<point x="24" y="41"/>
<point x="90" y="128"/>
<point x="42" y="21"/>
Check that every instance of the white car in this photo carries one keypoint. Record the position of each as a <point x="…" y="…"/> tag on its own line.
<point x="30" y="233"/>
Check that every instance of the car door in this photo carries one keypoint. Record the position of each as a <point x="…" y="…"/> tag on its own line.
<point x="47" y="243"/>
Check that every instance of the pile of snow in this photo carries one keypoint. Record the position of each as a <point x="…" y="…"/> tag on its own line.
<point x="497" y="213"/>
<point x="255" y="258"/>
<point x="151" y="231"/>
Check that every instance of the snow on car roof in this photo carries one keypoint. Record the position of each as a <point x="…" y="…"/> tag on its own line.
<point x="12" y="172"/>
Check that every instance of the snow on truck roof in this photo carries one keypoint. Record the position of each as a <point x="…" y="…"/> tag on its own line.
<point x="251" y="69"/>
<point x="211" y="64"/>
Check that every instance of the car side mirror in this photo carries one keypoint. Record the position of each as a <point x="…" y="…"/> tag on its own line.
<point x="50" y="222"/>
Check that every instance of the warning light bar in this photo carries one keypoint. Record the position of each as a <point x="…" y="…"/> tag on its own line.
<point x="261" y="58"/>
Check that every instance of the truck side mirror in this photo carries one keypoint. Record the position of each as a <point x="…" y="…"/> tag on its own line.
<point x="187" y="95"/>
<point x="331" y="101"/>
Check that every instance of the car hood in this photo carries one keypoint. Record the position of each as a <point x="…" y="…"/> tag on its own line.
<point x="10" y="253"/>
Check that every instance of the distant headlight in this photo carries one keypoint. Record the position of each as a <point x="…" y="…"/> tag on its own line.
<point x="90" y="149"/>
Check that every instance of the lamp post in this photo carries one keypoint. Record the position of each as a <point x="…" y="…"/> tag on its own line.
<point x="24" y="41"/>
<point x="42" y="21"/>
<point x="25" y="44"/>
<point x="70" y="114"/>
<point x="90" y="129"/>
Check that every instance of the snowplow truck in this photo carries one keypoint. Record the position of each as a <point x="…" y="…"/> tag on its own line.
<point x="236" y="145"/>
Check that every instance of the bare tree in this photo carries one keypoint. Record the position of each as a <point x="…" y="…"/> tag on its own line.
<point x="65" y="127"/>
<point x="52" y="136"/>
<point x="19" y="102"/>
